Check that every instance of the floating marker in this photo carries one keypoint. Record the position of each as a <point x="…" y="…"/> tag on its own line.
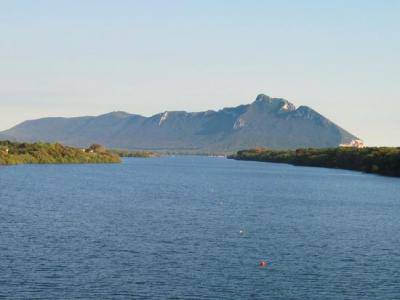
<point x="262" y="264"/>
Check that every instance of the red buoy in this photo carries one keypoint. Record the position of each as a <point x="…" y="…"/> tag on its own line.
<point x="263" y="264"/>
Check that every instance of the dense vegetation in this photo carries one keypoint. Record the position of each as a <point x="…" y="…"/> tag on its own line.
<point x="43" y="153"/>
<point x="140" y="154"/>
<point x="382" y="160"/>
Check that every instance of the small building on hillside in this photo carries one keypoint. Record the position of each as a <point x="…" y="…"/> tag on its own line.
<point x="97" y="148"/>
<point x="354" y="144"/>
<point x="4" y="150"/>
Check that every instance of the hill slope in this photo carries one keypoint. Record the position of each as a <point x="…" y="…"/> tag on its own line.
<point x="267" y="122"/>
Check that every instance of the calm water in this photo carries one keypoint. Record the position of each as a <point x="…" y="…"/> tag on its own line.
<point x="168" y="228"/>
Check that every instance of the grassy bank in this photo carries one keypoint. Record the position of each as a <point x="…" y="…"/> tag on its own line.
<point x="44" y="153"/>
<point x="378" y="160"/>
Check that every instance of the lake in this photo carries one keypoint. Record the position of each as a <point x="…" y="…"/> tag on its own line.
<point x="170" y="228"/>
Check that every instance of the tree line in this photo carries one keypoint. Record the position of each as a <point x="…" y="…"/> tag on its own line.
<point x="12" y="153"/>
<point x="378" y="160"/>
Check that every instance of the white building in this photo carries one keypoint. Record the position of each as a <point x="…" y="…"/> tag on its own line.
<point x="354" y="144"/>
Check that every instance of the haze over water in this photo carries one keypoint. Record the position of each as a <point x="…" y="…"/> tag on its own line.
<point x="170" y="228"/>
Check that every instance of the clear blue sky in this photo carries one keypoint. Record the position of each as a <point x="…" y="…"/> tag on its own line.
<point x="70" y="58"/>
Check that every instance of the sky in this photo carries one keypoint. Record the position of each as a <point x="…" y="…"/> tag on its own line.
<point x="74" y="58"/>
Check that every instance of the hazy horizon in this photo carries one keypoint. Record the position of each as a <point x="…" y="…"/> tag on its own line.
<point x="68" y="59"/>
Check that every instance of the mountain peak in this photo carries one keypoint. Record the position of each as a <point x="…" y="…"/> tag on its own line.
<point x="278" y="104"/>
<point x="116" y="114"/>
<point x="267" y="122"/>
<point x="262" y="98"/>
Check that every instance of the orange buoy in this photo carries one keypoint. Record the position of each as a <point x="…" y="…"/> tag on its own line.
<point x="262" y="264"/>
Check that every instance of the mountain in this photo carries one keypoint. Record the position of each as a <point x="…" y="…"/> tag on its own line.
<point x="267" y="122"/>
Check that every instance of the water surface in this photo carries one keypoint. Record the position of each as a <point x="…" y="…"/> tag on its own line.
<point x="168" y="228"/>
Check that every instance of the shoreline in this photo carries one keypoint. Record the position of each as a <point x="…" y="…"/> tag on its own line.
<point x="12" y="153"/>
<point x="383" y="161"/>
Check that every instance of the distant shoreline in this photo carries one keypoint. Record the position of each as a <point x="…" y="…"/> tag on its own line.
<point x="376" y="160"/>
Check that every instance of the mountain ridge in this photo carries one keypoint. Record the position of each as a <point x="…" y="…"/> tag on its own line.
<point x="266" y="122"/>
